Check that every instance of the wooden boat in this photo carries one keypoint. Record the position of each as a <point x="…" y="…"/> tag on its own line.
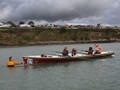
<point x="59" y="58"/>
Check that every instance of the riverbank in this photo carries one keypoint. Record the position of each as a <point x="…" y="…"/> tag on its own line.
<point x="60" y="43"/>
<point x="43" y="36"/>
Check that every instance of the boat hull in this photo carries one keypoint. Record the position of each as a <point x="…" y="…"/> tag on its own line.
<point x="59" y="58"/>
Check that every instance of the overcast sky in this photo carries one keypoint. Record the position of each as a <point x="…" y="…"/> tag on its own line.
<point x="61" y="11"/>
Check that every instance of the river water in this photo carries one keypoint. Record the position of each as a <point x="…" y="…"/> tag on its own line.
<point x="99" y="74"/>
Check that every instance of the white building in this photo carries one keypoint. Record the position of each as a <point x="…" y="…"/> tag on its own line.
<point x="25" y="25"/>
<point x="4" y="25"/>
<point x="103" y="25"/>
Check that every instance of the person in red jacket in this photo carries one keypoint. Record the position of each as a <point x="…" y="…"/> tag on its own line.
<point x="74" y="51"/>
<point x="90" y="51"/>
<point x="65" y="52"/>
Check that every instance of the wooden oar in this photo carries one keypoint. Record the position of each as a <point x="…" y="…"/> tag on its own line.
<point x="71" y="52"/>
<point x="57" y="51"/>
<point x="83" y="50"/>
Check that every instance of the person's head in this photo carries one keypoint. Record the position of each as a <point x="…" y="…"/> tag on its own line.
<point x="96" y="45"/>
<point x="10" y="58"/>
<point x="74" y="47"/>
<point x="90" y="48"/>
<point x="65" y="48"/>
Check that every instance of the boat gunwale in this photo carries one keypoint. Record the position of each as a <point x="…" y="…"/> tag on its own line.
<point x="103" y="54"/>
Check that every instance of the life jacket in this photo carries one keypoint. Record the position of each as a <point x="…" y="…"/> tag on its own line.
<point x="99" y="49"/>
<point x="65" y="52"/>
<point x="74" y="52"/>
<point x="10" y="63"/>
<point x="90" y="52"/>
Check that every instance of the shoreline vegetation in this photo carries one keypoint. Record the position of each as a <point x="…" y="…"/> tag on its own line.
<point x="45" y="36"/>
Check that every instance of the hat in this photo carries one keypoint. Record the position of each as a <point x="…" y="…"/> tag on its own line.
<point x="96" y="45"/>
<point x="90" y="48"/>
<point x="10" y="57"/>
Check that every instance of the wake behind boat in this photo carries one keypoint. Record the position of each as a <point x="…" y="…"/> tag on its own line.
<point x="44" y="58"/>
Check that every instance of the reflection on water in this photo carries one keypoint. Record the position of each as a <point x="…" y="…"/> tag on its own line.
<point x="11" y="68"/>
<point x="47" y="65"/>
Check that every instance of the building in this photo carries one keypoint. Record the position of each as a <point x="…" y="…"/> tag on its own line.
<point x="4" y="25"/>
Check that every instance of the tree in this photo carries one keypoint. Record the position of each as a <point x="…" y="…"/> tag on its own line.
<point x="31" y="23"/>
<point x="21" y="22"/>
<point x="11" y="23"/>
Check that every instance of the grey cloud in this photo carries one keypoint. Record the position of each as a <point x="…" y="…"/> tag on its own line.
<point x="53" y="10"/>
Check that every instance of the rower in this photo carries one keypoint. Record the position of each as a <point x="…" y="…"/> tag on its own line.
<point x="65" y="52"/>
<point x="99" y="49"/>
<point x="90" y="51"/>
<point x="74" y="51"/>
<point x="12" y="63"/>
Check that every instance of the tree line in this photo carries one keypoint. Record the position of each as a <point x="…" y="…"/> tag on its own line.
<point x="31" y="23"/>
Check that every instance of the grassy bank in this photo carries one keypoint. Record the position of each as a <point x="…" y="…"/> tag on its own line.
<point x="32" y="36"/>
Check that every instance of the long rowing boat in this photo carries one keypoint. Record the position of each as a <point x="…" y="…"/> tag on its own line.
<point x="36" y="59"/>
